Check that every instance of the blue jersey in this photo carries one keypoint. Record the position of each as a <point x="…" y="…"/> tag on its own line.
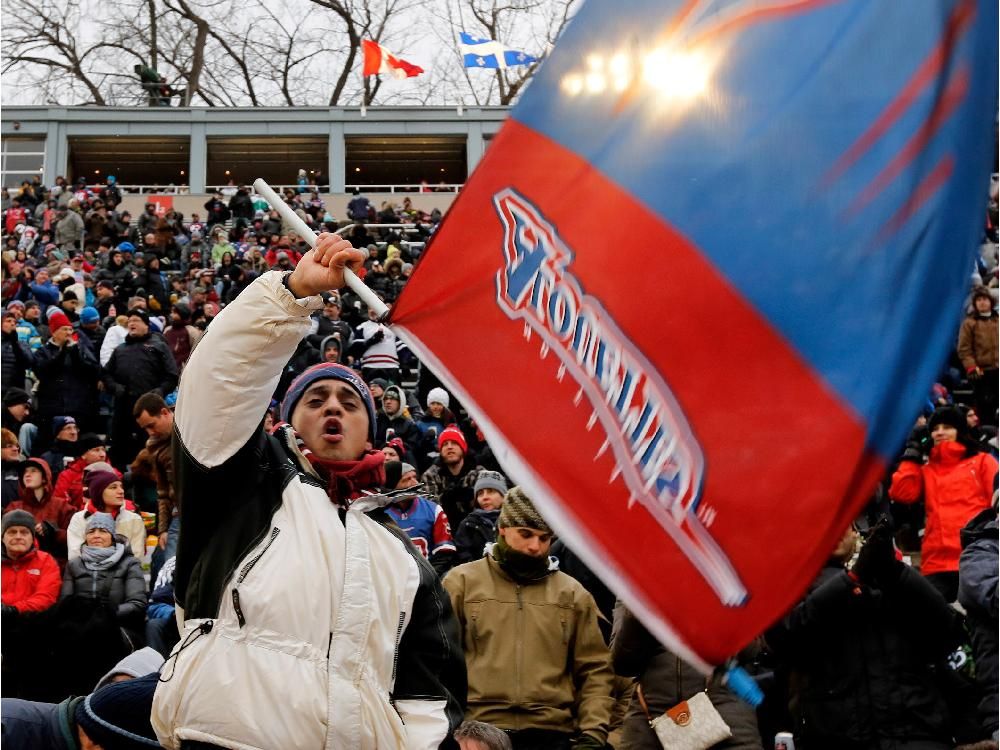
<point x="426" y="525"/>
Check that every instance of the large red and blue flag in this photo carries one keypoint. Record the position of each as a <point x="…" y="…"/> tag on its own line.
<point x="701" y="281"/>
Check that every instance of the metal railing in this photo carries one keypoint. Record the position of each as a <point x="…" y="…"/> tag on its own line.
<point x="448" y="188"/>
<point x="140" y="189"/>
<point x="154" y="189"/>
<point x="402" y="188"/>
<point x="209" y="189"/>
<point x="230" y="190"/>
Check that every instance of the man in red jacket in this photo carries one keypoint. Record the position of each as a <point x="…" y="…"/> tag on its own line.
<point x="31" y="577"/>
<point x="69" y="485"/>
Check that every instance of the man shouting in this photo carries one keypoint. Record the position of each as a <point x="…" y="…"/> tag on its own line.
<point x="309" y="620"/>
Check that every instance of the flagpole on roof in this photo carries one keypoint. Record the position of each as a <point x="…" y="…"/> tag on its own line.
<point x="458" y="49"/>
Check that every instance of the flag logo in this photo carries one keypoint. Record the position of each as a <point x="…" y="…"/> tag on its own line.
<point x="655" y="450"/>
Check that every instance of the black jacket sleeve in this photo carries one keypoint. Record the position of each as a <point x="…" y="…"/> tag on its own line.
<point x="133" y="606"/>
<point x="169" y="367"/>
<point x="111" y="381"/>
<point x="631" y="644"/>
<point x="48" y="361"/>
<point x="22" y="354"/>
<point x="431" y="664"/>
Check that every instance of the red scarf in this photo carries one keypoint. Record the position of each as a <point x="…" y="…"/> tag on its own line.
<point x="92" y="509"/>
<point x="346" y="479"/>
<point x="113" y="512"/>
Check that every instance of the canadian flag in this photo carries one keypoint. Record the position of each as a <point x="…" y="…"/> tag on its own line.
<point x="379" y="60"/>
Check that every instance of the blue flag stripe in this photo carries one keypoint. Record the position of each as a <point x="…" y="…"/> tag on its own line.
<point x="858" y="276"/>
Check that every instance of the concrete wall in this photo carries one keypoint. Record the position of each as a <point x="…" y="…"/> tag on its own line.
<point x="196" y="124"/>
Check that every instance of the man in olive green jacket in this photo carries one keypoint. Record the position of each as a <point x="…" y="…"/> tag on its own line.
<point x="538" y="667"/>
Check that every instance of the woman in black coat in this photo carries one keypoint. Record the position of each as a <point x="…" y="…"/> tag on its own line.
<point x="108" y="572"/>
<point x="665" y="680"/>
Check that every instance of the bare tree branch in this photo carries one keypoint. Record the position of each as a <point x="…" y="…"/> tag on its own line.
<point x="259" y="53"/>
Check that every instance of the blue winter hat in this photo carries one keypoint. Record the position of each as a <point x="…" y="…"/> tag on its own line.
<point x="126" y="247"/>
<point x="89" y="315"/>
<point x="117" y="716"/>
<point x="59" y="422"/>
<point x="333" y="371"/>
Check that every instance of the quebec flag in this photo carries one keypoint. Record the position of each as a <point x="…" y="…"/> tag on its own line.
<point x="697" y="288"/>
<point x="487" y="53"/>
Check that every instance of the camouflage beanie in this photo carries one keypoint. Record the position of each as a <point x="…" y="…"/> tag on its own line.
<point x="518" y="510"/>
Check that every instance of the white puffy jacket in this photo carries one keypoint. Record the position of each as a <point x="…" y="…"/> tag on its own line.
<point x="306" y="626"/>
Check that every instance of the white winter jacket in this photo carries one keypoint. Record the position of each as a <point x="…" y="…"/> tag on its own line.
<point x="307" y="626"/>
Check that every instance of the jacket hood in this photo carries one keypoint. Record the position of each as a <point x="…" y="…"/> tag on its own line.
<point x="396" y="391"/>
<point x="39" y="463"/>
<point x="328" y="339"/>
<point x="982" y="526"/>
<point x="950" y="452"/>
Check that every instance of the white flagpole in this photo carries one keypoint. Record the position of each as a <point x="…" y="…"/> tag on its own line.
<point x="302" y="229"/>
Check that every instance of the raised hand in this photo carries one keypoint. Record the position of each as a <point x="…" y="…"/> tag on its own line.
<point x="322" y="268"/>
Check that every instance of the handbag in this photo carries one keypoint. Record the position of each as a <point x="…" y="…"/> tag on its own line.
<point x="694" y="724"/>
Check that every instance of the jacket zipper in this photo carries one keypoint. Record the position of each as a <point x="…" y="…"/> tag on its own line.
<point x="395" y="652"/>
<point x="249" y="566"/>
<point x="232" y="569"/>
<point x="240" y="618"/>
<point x="680" y="697"/>
<point x="519" y="649"/>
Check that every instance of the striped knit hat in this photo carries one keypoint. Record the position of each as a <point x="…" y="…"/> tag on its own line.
<point x="332" y="371"/>
<point x="117" y="716"/>
<point x="518" y="510"/>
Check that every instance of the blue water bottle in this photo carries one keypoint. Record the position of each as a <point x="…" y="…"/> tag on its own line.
<point x="740" y="682"/>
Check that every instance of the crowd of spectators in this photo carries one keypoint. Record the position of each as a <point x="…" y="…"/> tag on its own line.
<point x="893" y="646"/>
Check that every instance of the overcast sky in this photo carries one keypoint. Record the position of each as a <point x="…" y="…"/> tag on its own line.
<point x="417" y="37"/>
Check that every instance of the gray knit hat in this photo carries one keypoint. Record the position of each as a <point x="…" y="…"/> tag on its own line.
<point x="491" y="480"/>
<point x="136" y="664"/>
<point x="19" y="518"/>
<point x="101" y="521"/>
<point x="518" y="510"/>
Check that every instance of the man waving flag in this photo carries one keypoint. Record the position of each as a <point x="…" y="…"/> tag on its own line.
<point x="797" y="191"/>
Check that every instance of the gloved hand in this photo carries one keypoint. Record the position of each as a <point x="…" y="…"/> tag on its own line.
<point x="913" y="453"/>
<point x="877" y="564"/>
<point x="378" y="336"/>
